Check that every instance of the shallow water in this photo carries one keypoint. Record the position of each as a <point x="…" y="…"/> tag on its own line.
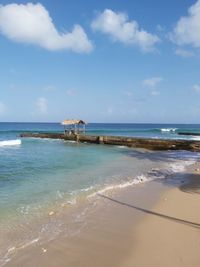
<point x="41" y="176"/>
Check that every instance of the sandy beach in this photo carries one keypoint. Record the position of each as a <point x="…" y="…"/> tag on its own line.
<point x="152" y="224"/>
<point x="171" y="235"/>
<point x="100" y="133"/>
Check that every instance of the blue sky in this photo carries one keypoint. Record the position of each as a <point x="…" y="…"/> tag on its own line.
<point x="102" y="61"/>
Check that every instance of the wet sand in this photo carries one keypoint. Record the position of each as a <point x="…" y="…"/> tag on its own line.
<point x="106" y="238"/>
<point x="152" y="224"/>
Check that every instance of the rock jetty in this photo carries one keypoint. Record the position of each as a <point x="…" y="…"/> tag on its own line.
<point x="151" y="144"/>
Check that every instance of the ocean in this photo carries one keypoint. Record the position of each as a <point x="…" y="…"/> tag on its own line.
<point x="39" y="178"/>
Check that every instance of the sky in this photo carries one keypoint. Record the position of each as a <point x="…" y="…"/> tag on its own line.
<point x="128" y="61"/>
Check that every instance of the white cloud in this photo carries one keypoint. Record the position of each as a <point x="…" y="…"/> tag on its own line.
<point x="183" y="53"/>
<point x="31" y="23"/>
<point x="41" y="105"/>
<point x="187" y="29"/>
<point x="152" y="82"/>
<point x="119" y="28"/>
<point x="2" y="108"/>
<point x="196" y="88"/>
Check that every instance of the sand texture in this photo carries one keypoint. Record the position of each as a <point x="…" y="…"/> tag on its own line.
<point x="155" y="224"/>
<point x="170" y="237"/>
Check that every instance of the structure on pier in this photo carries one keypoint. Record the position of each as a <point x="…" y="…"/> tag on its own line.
<point x="74" y="126"/>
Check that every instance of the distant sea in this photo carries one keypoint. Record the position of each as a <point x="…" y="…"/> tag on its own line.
<point x="170" y="131"/>
<point x="39" y="177"/>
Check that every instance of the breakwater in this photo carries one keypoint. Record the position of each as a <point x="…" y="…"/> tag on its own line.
<point x="151" y="144"/>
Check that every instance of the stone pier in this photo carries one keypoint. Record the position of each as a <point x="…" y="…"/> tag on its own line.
<point x="151" y="144"/>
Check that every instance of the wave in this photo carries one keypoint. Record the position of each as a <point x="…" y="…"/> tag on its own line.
<point x="195" y="138"/>
<point x="168" y="129"/>
<point x="153" y="174"/>
<point x="15" y="142"/>
<point x="167" y="171"/>
<point x="12" y="251"/>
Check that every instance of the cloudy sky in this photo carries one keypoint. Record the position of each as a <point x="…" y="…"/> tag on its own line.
<point x="102" y="61"/>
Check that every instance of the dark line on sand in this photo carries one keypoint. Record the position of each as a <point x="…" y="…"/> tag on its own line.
<point x="188" y="223"/>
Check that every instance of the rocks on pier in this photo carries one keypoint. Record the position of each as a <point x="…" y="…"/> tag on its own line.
<point x="151" y="144"/>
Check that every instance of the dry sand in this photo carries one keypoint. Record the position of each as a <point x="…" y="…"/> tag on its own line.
<point x="131" y="228"/>
<point x="171" y="236"/>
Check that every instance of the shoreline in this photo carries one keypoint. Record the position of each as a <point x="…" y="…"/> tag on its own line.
<point x="106" y="238"/>
<point x="68" y="216"/>
<point x="115" y="232"/>
<point x="108" y="231"/>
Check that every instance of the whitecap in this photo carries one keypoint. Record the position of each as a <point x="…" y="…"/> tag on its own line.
<point x="15" y="142"/>
<point x="168" y="129"/>
<point x="196" y="138"/>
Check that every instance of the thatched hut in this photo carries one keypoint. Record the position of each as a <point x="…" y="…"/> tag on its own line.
<point x="73" y="126"/>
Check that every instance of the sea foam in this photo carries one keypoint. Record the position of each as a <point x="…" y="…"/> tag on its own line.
<point x="15" y="142"/>
<point x="195" y="138"/>
<point x="168" y="129"/>
<point x="154" y="174"/>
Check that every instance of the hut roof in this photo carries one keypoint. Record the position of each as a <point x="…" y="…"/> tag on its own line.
<point x="72" y="122"/>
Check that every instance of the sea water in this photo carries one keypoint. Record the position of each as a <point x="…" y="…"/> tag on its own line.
<point x="38" y="177"/>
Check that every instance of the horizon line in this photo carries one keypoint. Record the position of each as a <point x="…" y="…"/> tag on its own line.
<point x="58" y="122"/>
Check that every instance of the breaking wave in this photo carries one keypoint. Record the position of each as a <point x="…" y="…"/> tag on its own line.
<point x="168" y="129"/>
<point x="15" y="142"/>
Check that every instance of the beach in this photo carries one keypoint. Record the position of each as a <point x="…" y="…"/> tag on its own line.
<point x="174" y="240"/>
<point x="153" y="224"/>
<point x="99" y="133"/>
<point x="78" y="204"/>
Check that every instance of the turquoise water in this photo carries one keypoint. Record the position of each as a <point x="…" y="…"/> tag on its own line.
<point x="38" y="172"/>
<point x="46" y="168"/>
<point x="40" y="175"/>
